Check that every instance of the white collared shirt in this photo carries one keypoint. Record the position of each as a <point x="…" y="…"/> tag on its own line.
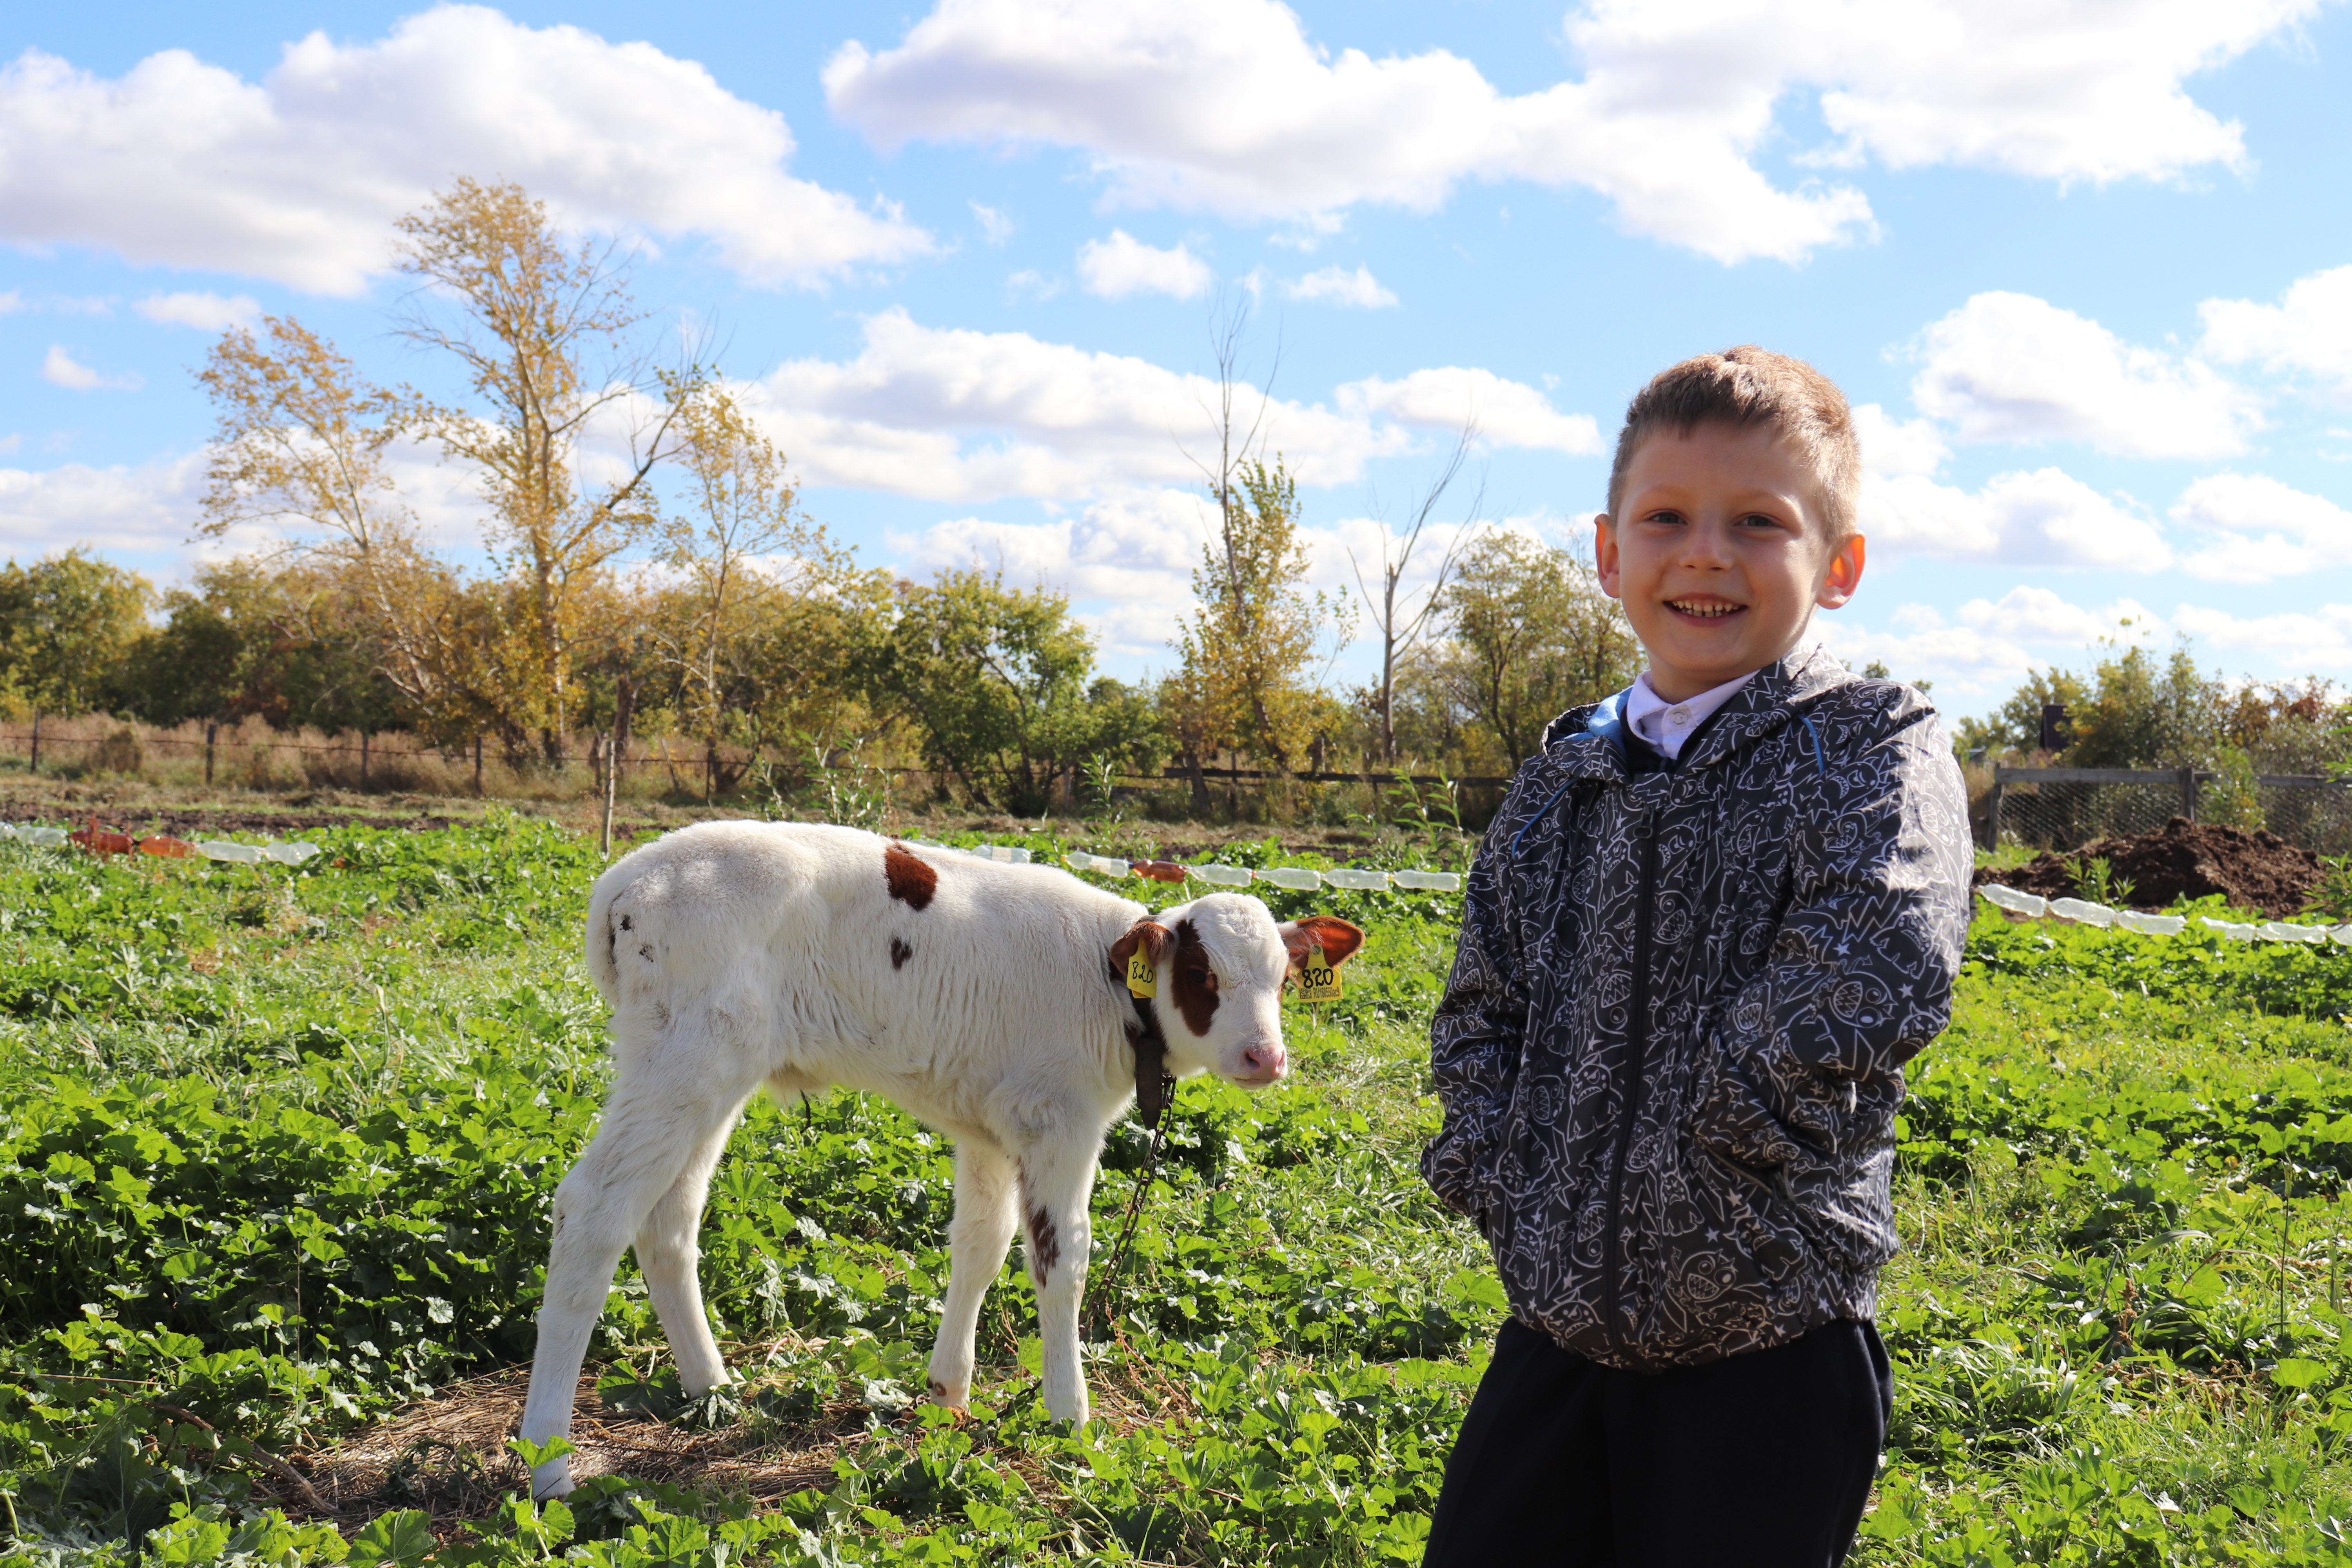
<point x="1666" y="725"/>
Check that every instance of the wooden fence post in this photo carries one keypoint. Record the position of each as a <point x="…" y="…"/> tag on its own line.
<point x="2188" y="794"/>
<point x="37" y="740"/>
<point x="478" y="767"/>
<point x="212" y="734"/>
<point x="1992" y="810"/>
<point x="625" y="694"/>
<point x="364" y="738"/>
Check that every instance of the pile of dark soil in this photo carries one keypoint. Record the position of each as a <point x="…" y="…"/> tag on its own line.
<point x="2183" y="859"/>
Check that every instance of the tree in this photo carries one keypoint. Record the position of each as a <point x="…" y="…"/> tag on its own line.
<point x="300" y="439"/>
<point x="539" y="329"/>
<point x="996" y="682"/>
<point x="1530" y="635"/>
<point x="248" y="641"/>
<point x="752" y="632"/>
<point x="66" y="623"/>
<point x="1396" y="620"/>
<point x="1245" y="651"/>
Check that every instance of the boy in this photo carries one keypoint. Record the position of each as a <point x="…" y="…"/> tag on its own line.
<point x="1715" y="916"/>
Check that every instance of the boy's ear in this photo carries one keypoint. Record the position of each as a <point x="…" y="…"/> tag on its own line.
<point x="1336" y="937"/>
<point x="1149" y="935"/>
<point x="1844" y="575"/>
<point x="1604" y="553"/>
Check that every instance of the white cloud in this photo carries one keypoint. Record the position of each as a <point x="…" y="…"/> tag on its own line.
<point x="2045" y="518"/>
<point x="2036" y="614"/>
<point x="1960" y="660"/>
<point x="2309" y="330"/>
<point x="2270" y="531"/>
<point x="2320" y="639"/>
<point x="961" y="416"/>
<point x="1892" y="446"/>
<point x="1048" y="420"/>
<point x="298" y="177"/>
<point x="59" y="368"/>
<point x="11" y="302"/>
<point x="2010" y="367"/>
<point x="146" y="509"/>
<point x="1509" y="413"/>
<point x="995" y="224"/>
<point x="207" y="313"/>
<point x="1337" y="286"/>
<point x="1126" y="560"/>
<point x="1228" y="105"/>
<point x="1124" y="265"/>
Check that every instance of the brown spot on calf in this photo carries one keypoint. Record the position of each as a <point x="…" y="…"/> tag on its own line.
<point x="900" y="953"/>
<point x="1045" y="1244"/>
<point x="910" y="878"/>
<point x="1196" y="982"/>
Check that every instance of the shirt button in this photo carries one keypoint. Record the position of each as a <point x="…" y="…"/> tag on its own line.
<point x="1679" y="715"/>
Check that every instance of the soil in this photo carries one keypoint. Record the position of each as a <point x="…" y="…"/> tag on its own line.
<point x="2183" y="859"/>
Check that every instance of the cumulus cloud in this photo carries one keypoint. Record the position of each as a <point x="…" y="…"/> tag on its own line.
<point x="59" y="368"/>
<point x="1508" y="413"/>
<point x="2044" y="518"/>
<point x="1962" y="661"/>
<point x="298" y="177"/>
<point x="2318" y="639"/>
<point x="207" y="313"/>
<point x="1124" y="265"/>
<point x="2010" y="367"/>
<point x="1892" y="446"/>
<point x="961" y="416"/>
<point x="2037" y="614"/>
<point x="150" y="507"/>
<point x="2268" y="530"/>
<point x="2309" y="330"/>
<point x="1228" y="105"/>
<point x="1337" y="286"/>
<point x="11" y="302"/>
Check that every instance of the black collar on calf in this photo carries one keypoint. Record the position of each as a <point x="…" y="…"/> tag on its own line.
<point x="1153" y="1090"/>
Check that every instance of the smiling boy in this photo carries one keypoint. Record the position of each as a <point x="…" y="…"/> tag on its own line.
<point x="1716" y="915"/>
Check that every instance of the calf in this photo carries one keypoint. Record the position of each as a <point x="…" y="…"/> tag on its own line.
<point x="991" y="1001"/>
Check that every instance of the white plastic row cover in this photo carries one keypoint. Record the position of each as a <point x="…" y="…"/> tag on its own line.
<point x="2083" y="912"/>
<point x="1297" y="878"/>
<point x="286" y="854"/>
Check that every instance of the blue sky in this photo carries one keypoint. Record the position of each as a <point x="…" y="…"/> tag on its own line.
<point x="2089" y="266"/>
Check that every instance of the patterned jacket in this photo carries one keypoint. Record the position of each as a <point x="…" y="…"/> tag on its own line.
<point x="1671" y="1049"/>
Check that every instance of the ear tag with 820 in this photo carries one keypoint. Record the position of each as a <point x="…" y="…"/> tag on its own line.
<point x="1143" y="978"/>
<point x="1317" y="981"/>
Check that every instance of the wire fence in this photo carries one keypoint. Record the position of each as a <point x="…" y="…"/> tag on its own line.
<point x="2065" y="808"/>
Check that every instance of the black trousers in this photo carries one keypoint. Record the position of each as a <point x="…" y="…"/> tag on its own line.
<point x="1763" y="1460"/>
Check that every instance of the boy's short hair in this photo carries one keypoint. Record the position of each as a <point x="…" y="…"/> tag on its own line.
<point x="1748" y="385"/>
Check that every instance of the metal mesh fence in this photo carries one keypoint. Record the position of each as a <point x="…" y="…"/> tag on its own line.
<point x="2051" y="815"/>
<point x="2047" y="812"/>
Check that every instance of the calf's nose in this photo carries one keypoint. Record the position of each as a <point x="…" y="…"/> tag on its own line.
<point x="1265" y="1061"/>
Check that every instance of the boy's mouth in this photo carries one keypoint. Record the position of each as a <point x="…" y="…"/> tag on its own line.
<point x="1703" y="608"/>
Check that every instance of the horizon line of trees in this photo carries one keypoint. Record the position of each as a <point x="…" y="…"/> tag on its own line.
<point x="645" y="561"/>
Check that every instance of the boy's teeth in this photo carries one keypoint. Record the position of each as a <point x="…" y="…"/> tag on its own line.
<point x="1690" y="609"/>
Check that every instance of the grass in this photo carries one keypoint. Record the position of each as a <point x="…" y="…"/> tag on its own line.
<point x="279" y="1146"/>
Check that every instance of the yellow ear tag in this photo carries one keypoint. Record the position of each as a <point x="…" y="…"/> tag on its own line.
<point x="1142" y="979"/>
<point x="1317" y="981"/>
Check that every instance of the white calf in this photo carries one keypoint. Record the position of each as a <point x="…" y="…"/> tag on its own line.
<point x="989" y="1000"/>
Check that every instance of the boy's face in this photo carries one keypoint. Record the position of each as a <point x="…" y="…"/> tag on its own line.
<point x="1719" y="552"/>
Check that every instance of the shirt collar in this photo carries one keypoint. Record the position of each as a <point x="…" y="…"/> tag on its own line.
<point x="1666" y="725"/>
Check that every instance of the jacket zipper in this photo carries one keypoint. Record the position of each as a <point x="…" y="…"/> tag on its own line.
<point x="1636" y="1061"/>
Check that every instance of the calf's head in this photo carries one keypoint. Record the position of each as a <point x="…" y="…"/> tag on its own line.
<point x="1221" y="962"/>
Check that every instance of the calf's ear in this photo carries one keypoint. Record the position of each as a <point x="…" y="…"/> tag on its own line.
<point x="1336" y="937"/>
<point x="1155" y="938"/>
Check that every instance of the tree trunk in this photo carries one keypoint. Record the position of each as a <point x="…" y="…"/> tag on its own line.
<point x="1193" y="770"/>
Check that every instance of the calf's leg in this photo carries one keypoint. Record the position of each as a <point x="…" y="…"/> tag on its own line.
<point x="977" y="1237"/>
<point x="667" y="1253"/>
<point x="654" y="1122"/>
<point x="1057" y="1176"/>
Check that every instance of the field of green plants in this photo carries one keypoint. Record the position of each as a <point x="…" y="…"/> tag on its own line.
<point x="276" y="1148"/>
